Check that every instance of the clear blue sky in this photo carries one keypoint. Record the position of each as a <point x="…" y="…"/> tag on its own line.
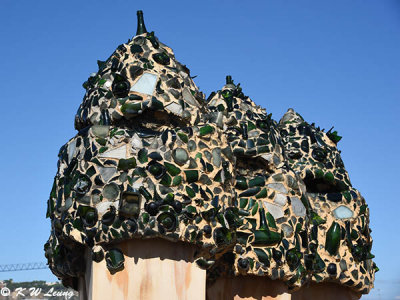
<point x="335" y="62"/>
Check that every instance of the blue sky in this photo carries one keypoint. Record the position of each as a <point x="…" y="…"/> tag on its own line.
<point x="335" y="62"/>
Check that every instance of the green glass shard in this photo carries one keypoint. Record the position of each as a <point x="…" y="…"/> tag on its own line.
<point x="262" y="194"/>
<point x="257" y="181"/>
<point x="190" y="191"/>
<point x="161" y="58"/>
<point x="271" y="220"/>
<point x="263" y="236"/>
<point x="131" y="108"/>
<point x="241" y="183"/>
<point x="126" y="164"/>
<point x="177" y="180"/>
<point x="172" y="169"/>
<point x="141" y="28"/>
<point x="166" y="180"/>
<point x="115" y="260"/>
<point x="316" y="219"/>
<point x="334" y="137"/>
<point x="183" y="137"/>
<point x="262" y="256"/>
<point x="254" y="209"/>
<point x="206" y="130"/>
<point x="192" y="176"/>
<point x="142" y="156"/>
<point x="250" y="192"/>
<point x="243" y="202"/>
<point x="329" y="177"/>
<point x="332" y="241"/>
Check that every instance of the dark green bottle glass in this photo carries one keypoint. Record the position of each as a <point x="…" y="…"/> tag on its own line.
<point x="141" y="28"/>
<point x="332" y="241"/>
<point x="263" y="236"/>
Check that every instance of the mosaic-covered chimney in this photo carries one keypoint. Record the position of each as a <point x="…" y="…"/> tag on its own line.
<point x="153" y="158"/>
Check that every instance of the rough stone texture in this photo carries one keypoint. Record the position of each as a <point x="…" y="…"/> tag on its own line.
<point x="154" y="159"/>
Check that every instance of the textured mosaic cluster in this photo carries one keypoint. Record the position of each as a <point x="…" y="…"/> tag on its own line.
<point x="154" y="158"/>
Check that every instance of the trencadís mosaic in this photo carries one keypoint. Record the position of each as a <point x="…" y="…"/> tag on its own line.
<point x="154" y="158"/>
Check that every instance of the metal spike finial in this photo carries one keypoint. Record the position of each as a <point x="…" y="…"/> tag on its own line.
<point x="141" y="28"/>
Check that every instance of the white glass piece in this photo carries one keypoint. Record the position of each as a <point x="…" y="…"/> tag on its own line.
<point x="298" y="207"/>
<point x="137" y="184"/>
<point x="342" y="212"/>
<point x="67" y="205"/>
<point x="220" y="120"/>
<point x="275" y="210"/>
<point x="136" y="142"/>
<point x="100" y="130"/>
<point x="183" y="74"/>
<point x="107" y="172"/>
<point x="267" y="157"/>
<point x="118" y="153"/>
<point x="213" y="102"/>
<point x="188" y="97"/>
<point x="145" y="84"/>
<point x="71" y="150"/>
<point x="253" y="133"/>
<point x="175" y="108"/>
<point x="278" y="187"/>
<point x="103" y="207"/>
<point x="280" y="199"/>
<point x="287" y="230"/>
<point x="108" y="84"/>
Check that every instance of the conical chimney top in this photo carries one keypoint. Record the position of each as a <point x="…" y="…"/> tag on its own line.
<point x="141" y="28"/>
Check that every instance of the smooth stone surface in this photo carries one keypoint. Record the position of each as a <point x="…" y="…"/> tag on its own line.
<point x="280" y="199"/>
<point x="278" y="187"/>
<point x="145" y="84"/>
<point x="298" y="207"/>
<point x="275" y="210"/>
<point x="343" y="212"/>
<point x="118" y="153"/>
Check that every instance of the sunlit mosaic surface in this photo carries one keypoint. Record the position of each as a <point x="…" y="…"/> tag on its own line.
<point x="154" y="158"/>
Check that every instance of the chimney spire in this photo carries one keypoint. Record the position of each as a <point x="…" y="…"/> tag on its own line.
<point x="141" y="28"/>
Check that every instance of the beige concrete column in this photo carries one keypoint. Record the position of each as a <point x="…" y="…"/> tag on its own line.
<point x="325" y="291"/>
<point x="158" y="269"/>
<point x="247" y="287"/>
<point x="154" y="269"/>
<point x="261" y="288"/>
